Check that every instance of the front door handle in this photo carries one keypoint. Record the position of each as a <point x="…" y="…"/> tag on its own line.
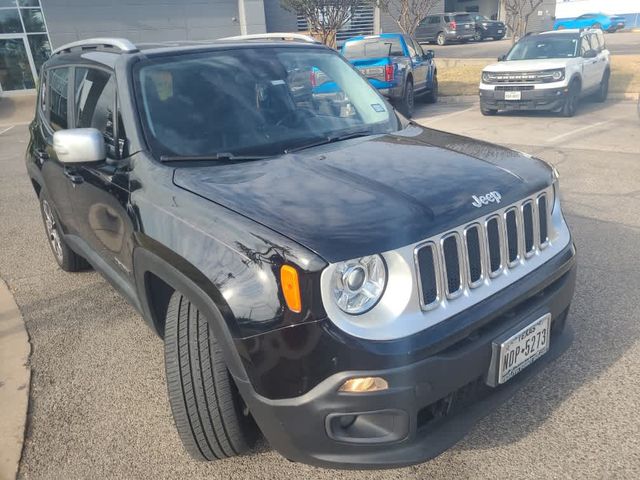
<point x="73" y="176"/>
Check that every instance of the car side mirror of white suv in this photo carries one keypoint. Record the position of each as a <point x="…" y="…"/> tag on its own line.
<point x="590" y="54"/>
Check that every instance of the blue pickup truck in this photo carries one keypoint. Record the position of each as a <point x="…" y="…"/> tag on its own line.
<point x="397" y="66"/>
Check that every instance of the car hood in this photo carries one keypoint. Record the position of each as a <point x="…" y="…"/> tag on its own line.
<point x="527" y="65"/>
<point x="370" y="195"/>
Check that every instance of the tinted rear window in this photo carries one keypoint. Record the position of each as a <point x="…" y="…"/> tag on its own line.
<point x="373" y="48"/>
<point x="463" y="18"/>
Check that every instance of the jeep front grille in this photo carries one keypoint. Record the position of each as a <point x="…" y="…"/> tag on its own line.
<point x="470" y="256"/>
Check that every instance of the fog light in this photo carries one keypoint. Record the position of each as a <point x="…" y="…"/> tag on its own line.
<point x="364" y="384"/>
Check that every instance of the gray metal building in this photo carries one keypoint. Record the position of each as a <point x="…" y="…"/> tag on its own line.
<point x="30" y="28"/>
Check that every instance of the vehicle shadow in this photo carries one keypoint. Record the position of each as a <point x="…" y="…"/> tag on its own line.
<point x="605" y="327"/>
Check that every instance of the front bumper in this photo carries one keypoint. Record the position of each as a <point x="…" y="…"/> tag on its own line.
<point x="492" y="32"/>
<point x="534" y="99"/>
<point x="431" y="403"/>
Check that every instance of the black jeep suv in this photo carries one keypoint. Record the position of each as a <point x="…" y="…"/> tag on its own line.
<point x="356" y="287"/>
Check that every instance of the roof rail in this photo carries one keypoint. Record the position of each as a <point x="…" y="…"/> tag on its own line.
<point x="299" y="37"/>
<point x="121" y="44"/>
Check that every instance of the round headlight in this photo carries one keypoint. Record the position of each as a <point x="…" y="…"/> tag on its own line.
<point x="557" y="75"/>
<point x="486" y="77"/>
<point x="358" y="284"/>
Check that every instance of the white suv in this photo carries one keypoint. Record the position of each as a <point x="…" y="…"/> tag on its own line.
<point x="548" y="71"/>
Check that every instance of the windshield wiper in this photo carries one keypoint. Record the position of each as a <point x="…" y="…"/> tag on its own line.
<point x="223" y="156"/>
<point x="330" y="139"/>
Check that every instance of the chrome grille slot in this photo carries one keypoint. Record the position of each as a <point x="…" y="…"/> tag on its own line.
<point x="528" y="227"/>
<point x="511" y="225"/>
<point x="452" y="265"/>
<point x="426" y="258"/>
<point x="543" y="220"/>
<point x="494" y="241"/>
<point x="472" y="256"/>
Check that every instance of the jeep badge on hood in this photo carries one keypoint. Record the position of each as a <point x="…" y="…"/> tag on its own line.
<point x="486" y="198"/>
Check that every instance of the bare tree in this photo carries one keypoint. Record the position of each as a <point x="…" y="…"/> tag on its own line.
<point x="324" y="17"/>
<point x="407" y="13"/>
<point x="518" y="13"/>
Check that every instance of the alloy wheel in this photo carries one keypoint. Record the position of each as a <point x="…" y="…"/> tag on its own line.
<point x="52" y="231"/>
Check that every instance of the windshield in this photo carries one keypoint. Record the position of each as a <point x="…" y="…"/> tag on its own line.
<point x="532" y="48"/>
<point x="254" y="101"/>
<point x="373" y="48"/>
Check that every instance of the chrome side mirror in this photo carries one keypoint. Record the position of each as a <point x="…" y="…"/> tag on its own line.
<point x="79" y="145"/>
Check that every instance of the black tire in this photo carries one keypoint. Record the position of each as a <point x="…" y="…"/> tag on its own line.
<point x="477" y="36"/>
<point x="441" y="39"/>
<point x="570" y="106"/>
<point x="487" y="112"/>
<point x="210" y="416"/>
<point x="67" y="259"/>
<point x="432" y="96"/>
<point x="603" y="91"/>
<point x="408" y="99"/>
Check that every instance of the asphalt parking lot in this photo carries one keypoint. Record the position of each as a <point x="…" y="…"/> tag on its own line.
<point x="98" y="401"/>
<point x="620" y="43"/>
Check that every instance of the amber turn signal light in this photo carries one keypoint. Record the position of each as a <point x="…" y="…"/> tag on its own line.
<point x="364" y="384"/>
<point x="291" y="288"/>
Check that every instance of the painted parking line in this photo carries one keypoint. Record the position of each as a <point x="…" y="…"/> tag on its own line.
<point x="577" y="130"/>
<point x="6" y="129"/>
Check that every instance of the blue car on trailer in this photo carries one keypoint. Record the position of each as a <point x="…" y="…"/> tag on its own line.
<point x="397" y="66"/>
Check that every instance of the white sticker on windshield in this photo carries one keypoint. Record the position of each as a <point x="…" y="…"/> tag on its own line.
<point x="378" y="108"/>
<point x="277" y="82"/>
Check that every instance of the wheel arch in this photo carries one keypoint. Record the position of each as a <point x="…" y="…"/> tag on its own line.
<point x="159" y="272"/>
<point x="576" y="77"/>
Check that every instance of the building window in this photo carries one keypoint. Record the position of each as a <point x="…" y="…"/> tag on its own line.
<point x="10" y="21"/>
<point x="24" y="46"/>
<point x="32" y="20"/>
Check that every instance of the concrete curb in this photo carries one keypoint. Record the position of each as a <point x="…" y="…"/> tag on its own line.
<point x="15" y="377"/>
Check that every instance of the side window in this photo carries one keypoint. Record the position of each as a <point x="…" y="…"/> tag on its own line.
<point x="434" y="20"/>
<point x="419" y="50"/>
<point x="95" y="98"/>
<point x="585" y="46"/>
<point x="42" y="97"/>
<point x="410" y="47"/>
<point x="600" y="36"/>
<point x="58" y="98"/>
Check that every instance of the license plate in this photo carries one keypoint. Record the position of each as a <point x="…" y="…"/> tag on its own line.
<point x="499" y="31"/>
<point x="522" y="349"/>
<point x="512" y="95"/>
<point x="466" y="26"/>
